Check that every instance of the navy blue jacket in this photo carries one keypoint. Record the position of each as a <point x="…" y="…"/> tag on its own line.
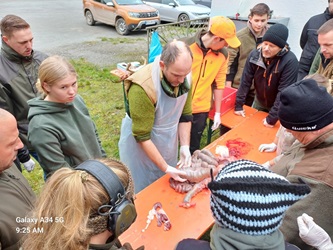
<point x="269" y="80"/>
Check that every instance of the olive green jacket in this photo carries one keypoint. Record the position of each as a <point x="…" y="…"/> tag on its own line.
<point x="314" y="165"/>
<point x="16" y="201"/>
<point x="18" y="77"/>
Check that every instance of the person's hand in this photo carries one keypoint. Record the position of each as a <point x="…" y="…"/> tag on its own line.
<point x="267" y="164"/>
<point x="175" y="173"/>
<point x="312" y="234"/>
<point x="185" y="156"/>
<point x="217" y="121"/>
<point x="228" y="84"/>
<point x="271" y="147"/>
<point x="29" y="165"/>
<point x="240" y="112"/>
<point x="266" y="124"/>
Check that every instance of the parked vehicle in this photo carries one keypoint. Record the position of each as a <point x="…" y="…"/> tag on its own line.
<point x="207" y="3"/>
<point x="125" y="15"/>
<point x="179" y="10"/>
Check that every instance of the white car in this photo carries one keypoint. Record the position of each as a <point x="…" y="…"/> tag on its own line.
<point x="179" y="10"/>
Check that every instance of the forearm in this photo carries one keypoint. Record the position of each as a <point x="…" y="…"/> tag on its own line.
<point x="184" y="129"/>
<point x="153" y="154"/>
<point x="218" y="95"/>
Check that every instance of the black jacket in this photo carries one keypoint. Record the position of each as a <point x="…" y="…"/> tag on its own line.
<point x="309" y="42"/>
<point x="269" y="80"/>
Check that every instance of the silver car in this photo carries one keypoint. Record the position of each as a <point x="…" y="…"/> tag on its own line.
<point x="179" y="10"/>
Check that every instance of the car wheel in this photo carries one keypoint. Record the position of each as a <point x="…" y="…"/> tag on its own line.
<point x="90" y="18"/>
<point x="183" y="17"/>
<point x="121" y="27"/>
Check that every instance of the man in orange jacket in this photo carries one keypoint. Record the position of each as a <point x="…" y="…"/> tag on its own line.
<point x="209" y="68"/>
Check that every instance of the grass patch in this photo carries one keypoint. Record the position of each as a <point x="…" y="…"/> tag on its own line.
<point x="121" y="39"/>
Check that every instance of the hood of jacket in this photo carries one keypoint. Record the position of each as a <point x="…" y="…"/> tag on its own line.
<point x="40" y="107"/>
<point x="258" y="59"/>
<point x="226" y="239"/>
<point x="197" y="39"/>
<point x="12" y="55"/>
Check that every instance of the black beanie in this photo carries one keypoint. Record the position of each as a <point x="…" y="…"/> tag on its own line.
<point x="305" y="106"/>
<point x="277" y="34"/>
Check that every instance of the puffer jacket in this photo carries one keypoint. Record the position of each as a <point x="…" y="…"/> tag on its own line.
<point x="314" y="165"/>
<point x="309" y="42"/>
<point x="18" y="77"/>
<point x="269" y="80"/>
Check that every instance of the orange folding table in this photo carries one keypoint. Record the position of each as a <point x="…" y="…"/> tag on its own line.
<point x="195" y="221"/>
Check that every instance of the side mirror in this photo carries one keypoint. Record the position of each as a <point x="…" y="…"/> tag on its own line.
<point x="110" y="4"/>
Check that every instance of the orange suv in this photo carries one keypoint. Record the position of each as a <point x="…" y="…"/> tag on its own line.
<point x="125" y="15"/>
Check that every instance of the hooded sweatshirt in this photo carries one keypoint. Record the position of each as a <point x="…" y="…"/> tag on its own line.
<point x="62" y="134"/>
<point x="226" y="239"/>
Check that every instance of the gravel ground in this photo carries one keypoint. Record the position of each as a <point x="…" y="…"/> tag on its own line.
<point x="104" y="53"/>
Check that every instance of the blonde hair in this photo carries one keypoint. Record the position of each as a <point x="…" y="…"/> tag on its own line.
<point x="52" y="70"/>
<point x="321" y="81"/>
<point x="73" y="196"/>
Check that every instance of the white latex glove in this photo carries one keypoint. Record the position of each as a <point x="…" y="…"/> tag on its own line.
<point x="217" y="121"/>
<point x="29" y="165"/>
<point x="266" y="124"/>
<point x="312" y="234"/>
<point x="174" y="173"/>
<point x="266" y="165"/>
<point x="240" y="112"/>
<point x="185" y="156"/>
<point x="271" y="147"/>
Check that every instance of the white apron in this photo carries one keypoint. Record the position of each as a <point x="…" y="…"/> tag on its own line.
<point x="164" y="135"/>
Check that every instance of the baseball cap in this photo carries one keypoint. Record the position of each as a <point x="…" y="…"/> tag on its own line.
<point x="225" y="28"/>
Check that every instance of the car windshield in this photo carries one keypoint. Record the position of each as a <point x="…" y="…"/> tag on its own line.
<point x="185" y="2"/>
<point x="129" y="2"/>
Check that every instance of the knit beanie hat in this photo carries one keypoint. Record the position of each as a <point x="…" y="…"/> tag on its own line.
<point x="249" y="199"/>
<point x="305" y="106"/>
<point x="277" y="34"/>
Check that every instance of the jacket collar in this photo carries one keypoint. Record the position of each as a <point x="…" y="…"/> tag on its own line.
<point x="12" y="55"/>
<point x="200" y="44"/>
<point x="174" y="92"/>
<point x="249" y="25"/>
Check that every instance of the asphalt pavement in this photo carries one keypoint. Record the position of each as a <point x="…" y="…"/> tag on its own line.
<point x="56" y="23"/>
